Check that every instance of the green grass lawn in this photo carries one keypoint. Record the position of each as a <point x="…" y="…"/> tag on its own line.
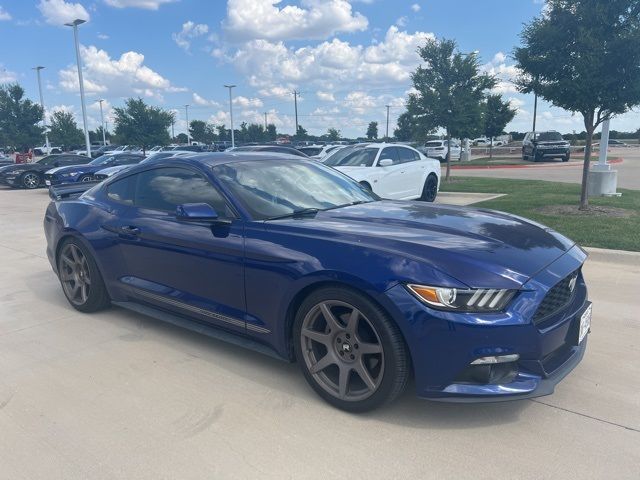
<point x="527" y="197"/>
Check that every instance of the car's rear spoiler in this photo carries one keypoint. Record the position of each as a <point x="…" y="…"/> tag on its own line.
<point x="69" y="190"/>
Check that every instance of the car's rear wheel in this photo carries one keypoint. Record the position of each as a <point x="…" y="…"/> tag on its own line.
<point x="349" y="350"/>
<point x="566" y="157"/>
<point x="524" y="156"/>
<point x="30" y="180"/>
<point x="430" y="189"/>
<point x="86" y="178"/>
<point x="367" y="186"/>
<point x="80" y="278"/>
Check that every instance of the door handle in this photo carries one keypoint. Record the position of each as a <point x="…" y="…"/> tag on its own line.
<point x="129" y="230"/>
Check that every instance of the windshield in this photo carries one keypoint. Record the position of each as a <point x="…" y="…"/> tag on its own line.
<point x="433" y="144"/>
<point x="50" y="160"/>
<point x="549" y="137"/>
<point x="338" y="155"/>
<point x="359" y="158"/>
<point x="281" y="187"/>
<point x="102" y="160"/>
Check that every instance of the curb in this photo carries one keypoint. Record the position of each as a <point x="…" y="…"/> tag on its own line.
<point x="613" y="161"/>
<point x="623" y="257"/>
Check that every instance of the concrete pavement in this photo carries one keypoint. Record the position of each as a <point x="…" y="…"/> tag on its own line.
<point x="119" y="395"/>
<point x="628" y="170"/>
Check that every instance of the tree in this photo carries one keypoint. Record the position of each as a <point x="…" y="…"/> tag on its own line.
<point x="96" y="136"/>
<point x="223" y="133"/>
<point x="333" y="134"/>
<point x="372" y="130"/>
<point x="584" y="56"/>
<point x="301" y="134"/>
<point x="404" y="130"/>
<point x="497" y="113"/>
<point x="255" y="132"/>
<point x="182" y="138"/>
<point x="450" y="91"/>
<point x="272" y="133"/>
<point x="202" y="132"/>
<point x="64" y="130"/>
<point x="19" y="118"/>
<point x="142" y="125"/>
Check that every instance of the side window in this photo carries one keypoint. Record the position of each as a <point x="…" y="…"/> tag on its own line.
<point x="166" y="188"/>
<point x="122" y="190"/>
<point x="127" y="160"/>
<point x="389" y="152"/>
<point x="405" y="155"/>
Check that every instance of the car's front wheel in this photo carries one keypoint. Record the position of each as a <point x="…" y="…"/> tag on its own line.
<point x="350" y="351"/>
<point x="86" y="178"/>
<point x="30" y="180"/>
<point x="80" y="278"/>
<point x="430" y="189"/>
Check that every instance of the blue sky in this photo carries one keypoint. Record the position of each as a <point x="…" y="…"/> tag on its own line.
<point x="348" y="58"/>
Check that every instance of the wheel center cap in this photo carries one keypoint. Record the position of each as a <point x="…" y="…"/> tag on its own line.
<point x="346" y="347"/>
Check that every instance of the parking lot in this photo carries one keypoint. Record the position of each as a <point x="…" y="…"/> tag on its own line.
<point x="118" y="395"/>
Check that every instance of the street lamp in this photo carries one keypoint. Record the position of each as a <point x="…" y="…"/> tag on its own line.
<point x="44" y="117"/>
<point x="233" y="142"/>
<point x="104" y="137"/>
<point x="186" y="109"/>
<point x="75" y="24"/>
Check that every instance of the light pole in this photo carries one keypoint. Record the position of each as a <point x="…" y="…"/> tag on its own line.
<point x="44" y="117"/>
<point x="386" y="136"/>
<point x="186" y="110"/>
<point x="233" y="140"/>
<point x="295" y="105"/>
<point x="75" y="24"/>
<point x="104" y="137"/>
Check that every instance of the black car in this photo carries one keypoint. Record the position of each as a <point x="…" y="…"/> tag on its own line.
<point x="537" y="146"/>
<point x="31" y="175"/>
<point x="271" y="149"/>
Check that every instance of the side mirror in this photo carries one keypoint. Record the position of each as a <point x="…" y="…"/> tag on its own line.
<point x="385" y="162"/>
<point x="198" y="212"/>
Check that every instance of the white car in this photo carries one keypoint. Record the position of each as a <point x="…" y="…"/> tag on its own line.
<point x="438" y="149"/>
<point x="43" y="150"/>
<point x="390" y="170"/>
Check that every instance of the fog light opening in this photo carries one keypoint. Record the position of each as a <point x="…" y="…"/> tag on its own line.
<point x="496" y="359"/>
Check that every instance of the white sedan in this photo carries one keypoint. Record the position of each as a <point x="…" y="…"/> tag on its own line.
<point x="390" y="170"/>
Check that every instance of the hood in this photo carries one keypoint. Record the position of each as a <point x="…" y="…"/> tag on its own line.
<point x="357" y="173"/>
<point x="84" y="167"/>
<point x="474" y="246"/>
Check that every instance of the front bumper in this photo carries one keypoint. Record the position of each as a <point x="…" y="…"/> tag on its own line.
<point x="443" y="344"/>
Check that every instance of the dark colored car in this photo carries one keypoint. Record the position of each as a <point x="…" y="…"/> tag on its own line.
<point x="31" y="175"/>
<point x="84" y="173"/>
<point x="296" y="260"/>
<point x="271" y="149"/>
<point x="189" y="148"/>
<point x="537" y="146"/>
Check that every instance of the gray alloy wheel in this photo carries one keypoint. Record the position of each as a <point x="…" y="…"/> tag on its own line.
<point x="30" y="180"/>
<point x="430" y="189"/>
<point x="74" y="274"/>
<point x="86" y="178"/>
<point x="342" y="351"/>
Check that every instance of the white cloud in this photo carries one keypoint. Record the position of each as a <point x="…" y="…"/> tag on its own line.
<point x="325" y="96"/>
<point x="506" y="74"/>
<point x="125" y="76"/>
<point x="4" y="15"/>
<point x="190" y="30"/>
<point x="59" y="12"/>
<point x="313" y="19"/>
<point x="7" y="76"/>
<point x="103" y="36"/>
<point x="146" y="4"/>
<point x="275" y="91"/>
<point x="402" y="21"/>
<point x="247" y="102"/>
<point x="415" y="7"/>
<point x="198" y="100"/>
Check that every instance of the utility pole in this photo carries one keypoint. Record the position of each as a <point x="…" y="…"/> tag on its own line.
<point x="186" y="109"/>
<point x="44" y="117"/>
<point x="535" y="108"/>
<point x="233" y="139"/>
<point x="173" y="133"/>
<point x="75" y="24"/>
<point x="295" y="103"/>
<point x="104" y="136"/>
<point x="386" y="136"/>
<point x="265" y="121"/>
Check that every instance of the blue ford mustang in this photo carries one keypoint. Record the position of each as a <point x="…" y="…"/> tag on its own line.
<point x="294" y="259"/>
<point x="85" y="172"/>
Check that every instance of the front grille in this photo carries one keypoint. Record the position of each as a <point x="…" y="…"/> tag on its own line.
<point x="557" y="297"/>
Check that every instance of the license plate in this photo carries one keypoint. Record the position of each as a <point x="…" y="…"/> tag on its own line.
<point x="585" y="323"/>
<point x="47" y="183"/>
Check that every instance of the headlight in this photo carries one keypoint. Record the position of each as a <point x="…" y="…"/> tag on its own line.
<point x="471" y="300"/>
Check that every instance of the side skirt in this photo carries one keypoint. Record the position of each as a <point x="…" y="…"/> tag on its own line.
<point x="208" y="330"/>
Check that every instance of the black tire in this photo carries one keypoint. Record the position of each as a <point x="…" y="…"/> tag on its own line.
<point x="566" y="157"/>
<point x="385" y="353"/>
<point x="430" y="189"/>
<point x="524" y="156"/>
<point x="86" y="275"/>
<point x="86" y="178"/>
<point x="30" y="180"/>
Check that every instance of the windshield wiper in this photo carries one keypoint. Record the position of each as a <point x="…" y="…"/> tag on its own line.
<point x="296" y="213"/>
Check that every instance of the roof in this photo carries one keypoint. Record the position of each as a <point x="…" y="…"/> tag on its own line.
<point x="219" y="158"/>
